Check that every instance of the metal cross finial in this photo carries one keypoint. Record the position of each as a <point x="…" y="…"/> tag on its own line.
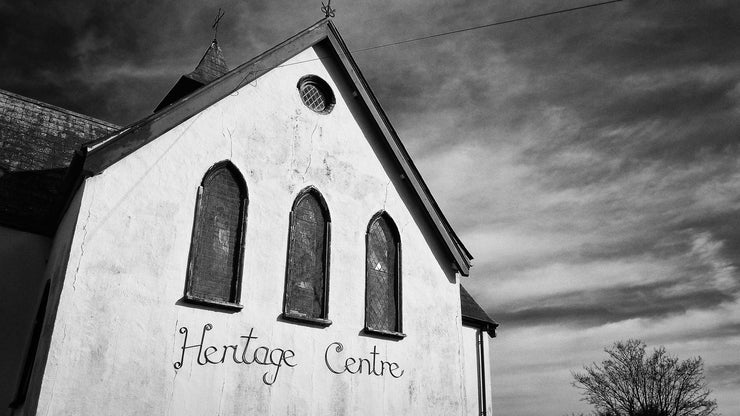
<point x="214" y="26"/>
<point x="328" y="11"/>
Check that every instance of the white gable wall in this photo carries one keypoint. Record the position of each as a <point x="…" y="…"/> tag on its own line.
<point x="121" y="309"/>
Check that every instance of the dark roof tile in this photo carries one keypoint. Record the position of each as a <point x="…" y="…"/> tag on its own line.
<point x="211" y="66"/>
<point x="37" y="142"/>
<point x="473" y="314"/>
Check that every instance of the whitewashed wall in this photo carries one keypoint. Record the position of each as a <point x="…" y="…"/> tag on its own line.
<point x="120" y="308"/>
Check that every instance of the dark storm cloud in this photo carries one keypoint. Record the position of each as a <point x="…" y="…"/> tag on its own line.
<point x="630" y="37"/>
<point x="615" y="67"/>
<point x="614" y="304"/>
<point x="676" y="122"/>
<point x="630" y="63"/>
<point x="653" y="243"/>
<point x="671" y="35"/>
<point x="116" y="59"/>
<point x="681" y="99"/>
<point x="726" y="375"/>
<point x="724" y="226"/>
<point x="65" y="61"/>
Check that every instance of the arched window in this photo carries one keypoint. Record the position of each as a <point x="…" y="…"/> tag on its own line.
<point x="383" y="277"/>
<point x="307" y="274"/>
<point x="217" y="248"/>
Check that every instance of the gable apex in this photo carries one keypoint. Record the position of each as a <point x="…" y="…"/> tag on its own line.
<point x="103" y="153"/>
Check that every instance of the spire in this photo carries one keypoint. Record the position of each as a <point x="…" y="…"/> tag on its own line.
<point x="211" y="67"/>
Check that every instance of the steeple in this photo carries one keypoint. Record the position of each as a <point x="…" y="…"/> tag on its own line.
<point x="211" y="66"/>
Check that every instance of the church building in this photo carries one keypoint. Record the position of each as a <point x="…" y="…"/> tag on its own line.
<point x="261" y="244"/>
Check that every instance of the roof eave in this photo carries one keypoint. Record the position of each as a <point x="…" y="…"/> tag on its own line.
<point x="488" y="326"/>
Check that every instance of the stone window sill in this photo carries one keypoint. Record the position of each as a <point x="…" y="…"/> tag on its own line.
<point x="305" y="319"/>
<point x="213" y="303"/>
<point x="382" y="333"/>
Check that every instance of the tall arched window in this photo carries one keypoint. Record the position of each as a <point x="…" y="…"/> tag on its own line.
<point x="383" y="277"/>
<point x="307" y="274"/>
<point x="217" y="248"/>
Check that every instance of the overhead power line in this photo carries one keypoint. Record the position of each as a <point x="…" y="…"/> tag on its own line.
<point x="503" y="22"/>
<point x="452" y="32"/>
<point x="467" y="29"/>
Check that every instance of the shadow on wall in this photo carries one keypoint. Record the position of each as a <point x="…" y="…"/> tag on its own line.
<point x="29" y="206"/>
<point x="23" y="259"/>
<point x="28" y="199"/>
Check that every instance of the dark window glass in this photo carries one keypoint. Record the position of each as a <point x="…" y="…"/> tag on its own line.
<point x="382" y="301"/>
<point x="215" y="263"/>
<point x="313" y="98"/>
<point x="316" y="94"/>
<point x="307" y="274"/>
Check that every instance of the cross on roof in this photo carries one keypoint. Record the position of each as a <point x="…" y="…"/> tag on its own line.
<point x="214" y="26"/>
<point x="327" y="9"/>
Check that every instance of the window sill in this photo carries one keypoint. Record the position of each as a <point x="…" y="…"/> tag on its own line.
<point x="304" y="319"/>
<point x="213" y="303"/>
<point x="382" y="333"/>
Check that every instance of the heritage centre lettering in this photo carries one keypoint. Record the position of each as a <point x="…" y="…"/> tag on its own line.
<point x="246" y="353"/>
<point x="359" y="365"/>
<point x="262" y="355"/>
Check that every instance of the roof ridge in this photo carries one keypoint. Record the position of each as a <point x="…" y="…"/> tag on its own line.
<point x="212" y="65"/>
<point x="59" y="109"/>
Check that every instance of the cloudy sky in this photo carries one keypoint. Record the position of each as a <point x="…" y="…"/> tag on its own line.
<point x="589" y="160"/>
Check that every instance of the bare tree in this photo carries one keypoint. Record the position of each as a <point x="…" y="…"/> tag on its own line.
<point x="631" y="383"/>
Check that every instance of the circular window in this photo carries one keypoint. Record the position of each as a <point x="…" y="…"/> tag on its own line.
<point x="316" y="94"/>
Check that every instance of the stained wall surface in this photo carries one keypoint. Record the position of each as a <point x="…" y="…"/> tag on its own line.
<point x="118" y="330"/>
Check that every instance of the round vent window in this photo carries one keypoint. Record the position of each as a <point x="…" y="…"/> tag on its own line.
<point x="316" y="94"/>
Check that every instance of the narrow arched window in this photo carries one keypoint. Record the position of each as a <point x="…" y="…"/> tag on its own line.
<point x="383" y="277"/>
<point x="217" y="248"/>
<point x="307" y="274"/>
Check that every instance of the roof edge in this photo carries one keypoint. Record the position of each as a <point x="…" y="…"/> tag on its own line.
<point x="489" y="327"/>
<point x="474" y="315"/>
<point x="93" y="148"/>
<point x="461" y="256"/>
